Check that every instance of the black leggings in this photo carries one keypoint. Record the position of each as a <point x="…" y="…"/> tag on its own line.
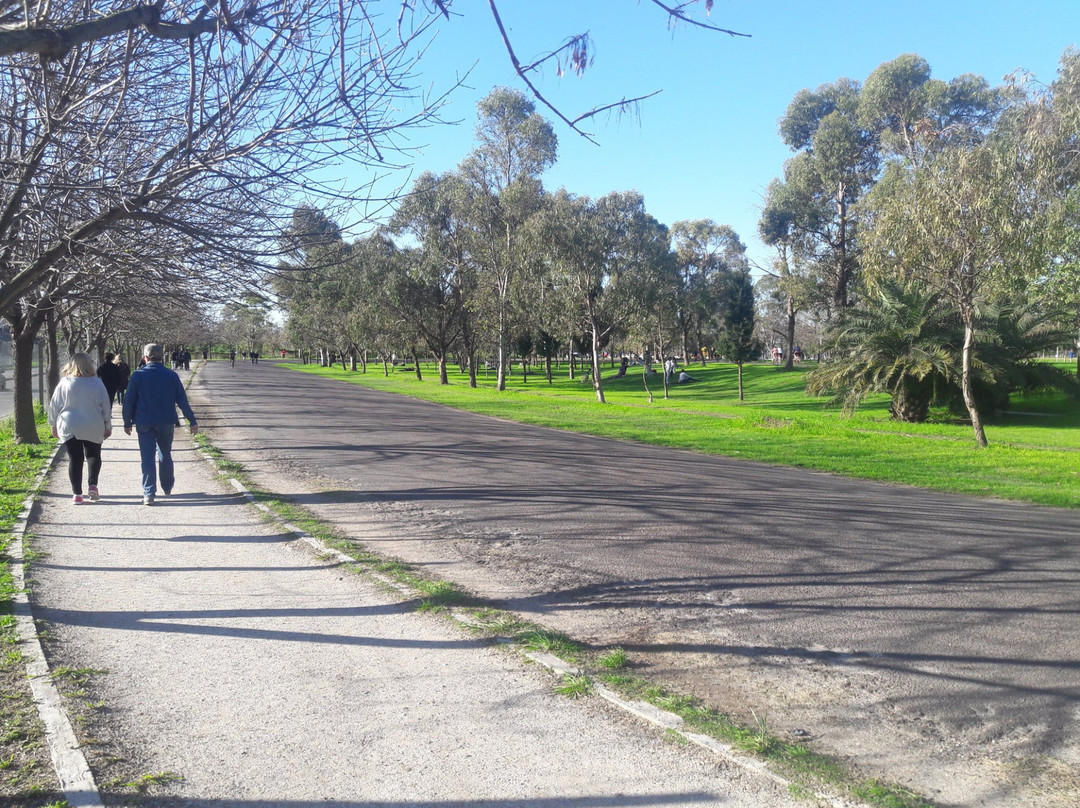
<point x="76" y="449"/>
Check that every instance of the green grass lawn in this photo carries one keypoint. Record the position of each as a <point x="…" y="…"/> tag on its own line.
<point x="1034" y="453"/>
<point x="27" y="779"/>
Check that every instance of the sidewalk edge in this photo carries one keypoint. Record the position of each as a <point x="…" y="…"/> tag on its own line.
<point x="69" y="762"/>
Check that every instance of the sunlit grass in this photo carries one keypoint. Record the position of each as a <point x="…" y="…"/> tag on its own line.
<point x="1034" y="453"/>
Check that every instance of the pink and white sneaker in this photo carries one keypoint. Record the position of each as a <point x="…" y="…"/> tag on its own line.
<point x="76" y="499"/>
<point x="94" y="495"/>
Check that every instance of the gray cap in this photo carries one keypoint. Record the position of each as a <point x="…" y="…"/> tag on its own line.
<point x="153" y="351"/>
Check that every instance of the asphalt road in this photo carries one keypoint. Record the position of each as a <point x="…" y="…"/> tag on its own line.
<point x="955" y="616"/>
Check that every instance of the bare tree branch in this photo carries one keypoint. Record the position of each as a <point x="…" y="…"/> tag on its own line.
<point x="54" y="42"/>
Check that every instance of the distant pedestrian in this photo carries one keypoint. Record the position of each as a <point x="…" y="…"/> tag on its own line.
<point x="669" y="368"/>
<point x="80" y="415"/>
<point x="232" y="358"/>
<point x="110" y="376"/>
<point x="153" y="395"/>
<point x="125" y="374"/>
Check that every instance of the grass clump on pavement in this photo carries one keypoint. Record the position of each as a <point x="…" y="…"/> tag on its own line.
<point x="27" y="779"/>
<point x="550" y="642"/>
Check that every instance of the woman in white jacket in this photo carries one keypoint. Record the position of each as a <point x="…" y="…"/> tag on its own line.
<point x="80" y="415"/>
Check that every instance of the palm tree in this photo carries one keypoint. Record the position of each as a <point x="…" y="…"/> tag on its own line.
<point x="900" y="341"/>
<point x="905" y="341"/>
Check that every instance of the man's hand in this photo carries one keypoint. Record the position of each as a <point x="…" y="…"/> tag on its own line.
<point x="194" y="429"/>
<point x="127" y="430"/>
<point x="108" y="433"/>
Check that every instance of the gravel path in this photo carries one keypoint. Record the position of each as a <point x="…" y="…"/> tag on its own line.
<point x="261" y="675"/>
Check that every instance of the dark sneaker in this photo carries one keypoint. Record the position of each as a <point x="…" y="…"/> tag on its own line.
<point x="94" y="495"/>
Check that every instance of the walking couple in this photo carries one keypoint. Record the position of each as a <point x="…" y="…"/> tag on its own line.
<point x="80" y="414"/>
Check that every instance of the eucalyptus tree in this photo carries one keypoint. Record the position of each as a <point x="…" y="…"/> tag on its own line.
<point x="503" y="189"/>
<point x="1048" y="127"/>
<point x="705" y="253"/>
<point x="836" y="160"/>
<point x="441" y="280"/>
<point x="961" y="225"/>
<point x="577" y="244"/>
<point x="314" y="284"/>
<point x="601" y="252"/>
<point x="652" y="322"/>
<point x="958" y="206"/>
<point x="915" y="114"/>
<point x="418" y="291"/>
<point x="796" y="284"/>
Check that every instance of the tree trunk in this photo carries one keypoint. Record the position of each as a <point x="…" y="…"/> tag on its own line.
<point x="840" y="293"/>
<point x="53" y="349"/>
<point x="911" y="402"/>
<point x="597" y="384"/>
<point x="570" y="350"/>
<point x="790" y="363"/>
<point x="739" y="365"/>
<point x="22" y="348"/>
<point x="965" y="379"/>
<point x="1077" y="352"/>
<point x="443" y="378"/>
<point x="500" y="383"/>
<point x="416" y="365"/>
<point x="547" y="368"/>
<point x="352" y="359"/>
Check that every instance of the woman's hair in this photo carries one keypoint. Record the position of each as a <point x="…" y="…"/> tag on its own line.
<point x="80" y="364"/>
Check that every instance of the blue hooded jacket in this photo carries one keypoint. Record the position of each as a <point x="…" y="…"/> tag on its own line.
<point x="153" y="394"/>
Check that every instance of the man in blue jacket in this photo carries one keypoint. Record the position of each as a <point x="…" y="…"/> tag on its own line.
<point x="153" y="394"/>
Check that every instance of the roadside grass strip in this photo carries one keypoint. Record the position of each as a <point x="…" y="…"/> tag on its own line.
<point x="582" y="671"/>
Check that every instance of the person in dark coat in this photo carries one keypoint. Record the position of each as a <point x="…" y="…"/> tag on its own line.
<point x="110" y="376"/>
<point x="125" y="374"/>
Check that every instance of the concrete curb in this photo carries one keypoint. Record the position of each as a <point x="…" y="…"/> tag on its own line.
<point x="69" y="762"/>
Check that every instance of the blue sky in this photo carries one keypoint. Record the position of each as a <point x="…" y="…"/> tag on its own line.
<point x="707" y="146"/>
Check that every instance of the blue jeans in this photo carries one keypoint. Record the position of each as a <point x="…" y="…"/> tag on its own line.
<point x="155" y="442"/>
